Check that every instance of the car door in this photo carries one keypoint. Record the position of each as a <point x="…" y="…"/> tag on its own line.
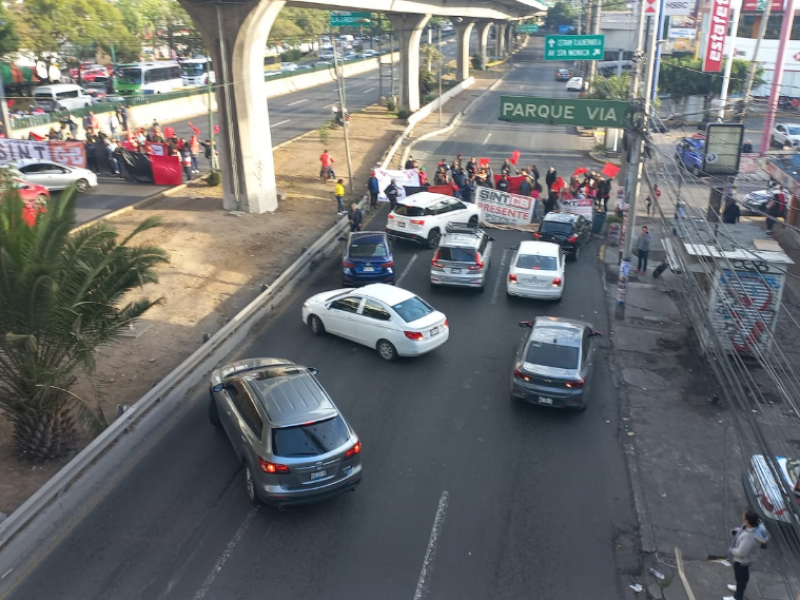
<point x="587" y="358"/>
<point x="249" y="427"/>
<point x="60" y="177"/>
<point x="33" y="174"/>
<point x="374" y="323"/>
<point x="457" y="211"/>
<point x="486" y="250"/>
<point x="340" y="318"/>
<point x="781" y="130"/>
<point x="226" y="405"/>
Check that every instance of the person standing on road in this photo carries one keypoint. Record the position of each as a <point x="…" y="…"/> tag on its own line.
<point x="326" y="162"/>
<point x="113" y="125"/>
<point x="550" y="178"/>
<point x="550" y="203"/>
<point x="356" y="217"/>
<point x="643" y="249"/>
<point x="747" y="147"/>
<point x="374" y="188"/>
<point x="339" y="192"/>
<point x="743" y="552"/>
<point x="391" y="192"/>
<point x="472" y="166"/>
<point x="525" y="187"/>
<point x="186" y="161"/>
<point x="122" y="115"/>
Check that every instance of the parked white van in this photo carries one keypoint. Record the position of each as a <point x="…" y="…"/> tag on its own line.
<point x="61" y="96"/>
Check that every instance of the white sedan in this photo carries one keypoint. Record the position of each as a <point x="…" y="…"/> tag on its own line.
<point x="52" y="175"/>
<point x="537" y="271"/>
<point x="392" y="320"/>
<point x="575" y="84"/>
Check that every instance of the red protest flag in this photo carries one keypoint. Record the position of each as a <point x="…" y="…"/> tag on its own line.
<point x="216" y="129"/>
<point x="169" y="132"/>
<point x="36" y="136"/>
<point x="610" y="170"/>
<point x="483" y="162"/>
<point x="195" y="129"/>
<point x="580" y="171"/>
<point x="558" y="184"/>
<point x="513" y="160"/>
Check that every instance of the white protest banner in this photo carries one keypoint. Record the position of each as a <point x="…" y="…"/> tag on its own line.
<point x="408" y="177"/>
<point x="69" y="154"/>
<point x="579" y="207"/>
<point x="503" y="208"/>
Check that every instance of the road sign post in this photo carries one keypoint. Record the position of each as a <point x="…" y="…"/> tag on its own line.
<point x="344" y="19"/>
<point x="574" y="47"/>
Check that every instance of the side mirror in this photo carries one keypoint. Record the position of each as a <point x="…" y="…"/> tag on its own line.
<point x="218" y="388"/>
<point x="491" y="239"/>
<point x="342" y="239"/>
<point x="597" y="334"/>
<point x="526" y="324"/>
<point x="313" y="370"/>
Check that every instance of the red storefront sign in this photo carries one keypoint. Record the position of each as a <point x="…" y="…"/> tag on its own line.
<point x="717" y="32"/>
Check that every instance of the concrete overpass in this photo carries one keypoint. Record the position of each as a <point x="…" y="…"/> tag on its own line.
<point x="236" y="32"/>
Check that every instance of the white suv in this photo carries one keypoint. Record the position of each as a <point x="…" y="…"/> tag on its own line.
<point x="423" y="217"/>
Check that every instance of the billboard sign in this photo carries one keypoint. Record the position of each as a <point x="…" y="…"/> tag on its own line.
<point x="761" y="5"/>
<point x="718" y="31"/>
<point x="344" y="19"/>
<point x="678" y="8"/>
<point x="723" y="148"/>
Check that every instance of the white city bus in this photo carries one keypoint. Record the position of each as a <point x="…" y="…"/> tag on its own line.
<point x="159" y="77"/>
<point x="195" y="72"/>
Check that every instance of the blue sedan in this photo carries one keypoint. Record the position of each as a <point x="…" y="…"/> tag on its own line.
<point x="689" y="153"/>
<point x="367" y="259"/>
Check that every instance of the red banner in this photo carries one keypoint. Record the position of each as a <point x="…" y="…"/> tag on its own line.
<point x="69" y="154"/>
<point x="513" y="182"/>
<point x="441" y="189"/>
<point x="166" y="170"/>
<point x="720" y="13"/>
<point x="156" y="148"/>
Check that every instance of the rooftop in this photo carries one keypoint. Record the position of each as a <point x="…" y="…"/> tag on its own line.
<point x="743" y="241"/>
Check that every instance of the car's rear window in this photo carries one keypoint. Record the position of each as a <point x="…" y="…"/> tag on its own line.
<point x="412" y="309"/>
<point x="457" y="254"/>
<point x="537" y="263"/>
<point x="368" y="250"/>
<point x="552" y="355"/>
<point x="310" y="440"/>
<point x="408" y="211"/>
<point x="556" y="227"/>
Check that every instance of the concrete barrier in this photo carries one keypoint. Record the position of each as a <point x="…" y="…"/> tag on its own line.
<point x="426" y="110"/>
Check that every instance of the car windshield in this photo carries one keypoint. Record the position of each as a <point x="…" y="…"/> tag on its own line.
<point x="193" y="69"/>
<point x="131" y="75"/>
<point x="794" y="129"/>
<point x="556" y="227"/>
<point x="412" y="309"/>
<point x="552" y="355"/>
<point x="408" y="211"/>
<point x="457" y="254"/>
<point x="362" y="250"/>
<point x="310" y="440"/>
<point x="537" y="263"/>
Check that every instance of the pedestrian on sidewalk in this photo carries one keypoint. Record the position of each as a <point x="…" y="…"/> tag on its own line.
<point x="355" y="217"/>
<point x="373" y="187"/>
<point x="643" y="249"/>
<point x="773" y="210"/>
<point x="339" y="193"/>
<point x="550" y="178"/>
<point x="743" y="552"/>
<point x="731" y="213"/>
<point x="326" y="166"/>
<point x="391" y="192"/>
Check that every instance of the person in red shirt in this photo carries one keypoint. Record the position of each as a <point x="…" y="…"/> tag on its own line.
<point x="326" y="171"/>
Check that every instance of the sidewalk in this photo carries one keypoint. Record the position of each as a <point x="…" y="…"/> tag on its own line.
<point x="684" y="452"/>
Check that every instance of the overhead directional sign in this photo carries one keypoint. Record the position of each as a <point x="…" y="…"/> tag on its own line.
<point x="564" y="111"/>
<point x="527" y="28"/>
<point x="574" y="47"/>
<point x="343" y="19"/>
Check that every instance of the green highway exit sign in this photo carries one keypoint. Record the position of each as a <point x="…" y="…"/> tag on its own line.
<point x="564" y="111"/>
<point x="528" y="28"/>
<point x="574" y="47"/>
<point x="341" y="18"/>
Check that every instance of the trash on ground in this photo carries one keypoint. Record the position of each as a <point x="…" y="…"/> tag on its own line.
<point x="656" y="574"/>
<point x="636" y="587"/>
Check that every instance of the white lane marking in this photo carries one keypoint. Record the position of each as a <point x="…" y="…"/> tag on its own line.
<point x="500" y="277"/>
<point x="307" y="99"/>
<point x="520" y="87"/>
<point x="279" y="123"/>
<point x="406" y="270"/>
<point x="368" y="90"/>
<point x="433" y="542"/>
<point x="370" y="78"/>
<point x="487" y="138"/>
<point x="220" y="564"/>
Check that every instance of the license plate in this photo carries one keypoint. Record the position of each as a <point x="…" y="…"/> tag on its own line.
<point x="543" y="400"/>
<point x="434" y="331"/>
<point x="455" y="271"/>
<point x="369" y="269"/>
<point x="320" y="474"/>
<point x="401" y="224"/>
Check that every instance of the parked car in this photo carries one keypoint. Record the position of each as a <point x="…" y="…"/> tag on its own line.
<point x="367" y="258"/>
<point x="52" y="175"/>
<point x="61" y="96"/>
<point x="462" y="258"/>
<point x="755" y="202"/>
<point x="575" y="84"/>
<point x="689" y="153"/>
<point x="392" y="320"/>
<point x="553" y="364"/>
<point x="764" y="494"/>
<point x="536" y="271"/>
<point x="295" y="445"/>
<point x="569" y="230"/>
<point x="563" y="75"/>
<point x="424" y="216"/>
<point x="786" y="134"/>
<point x="288" y="67"/>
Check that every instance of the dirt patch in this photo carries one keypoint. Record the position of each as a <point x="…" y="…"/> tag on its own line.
<point x="218" y="264"/>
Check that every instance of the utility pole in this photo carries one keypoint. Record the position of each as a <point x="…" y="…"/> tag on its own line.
<point x="726" y="76"/>
<point x="211" y="138"/>
<point x="657" y="63"/>
<point x="343" y="111"/>
<point x="113" y="69"/>
<point x="751" y="74"/>
<point x="441" y="73"/>
<point x="777" y="74"/>
<point x="595" y="30"/>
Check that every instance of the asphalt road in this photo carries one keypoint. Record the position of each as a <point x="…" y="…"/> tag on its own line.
<point x="524" y="502"/>
<point x="290" y="116"/>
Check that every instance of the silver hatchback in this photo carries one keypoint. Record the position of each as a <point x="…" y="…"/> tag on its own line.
<point x="553" y="365"/>
<point x="294" y="443"/>
<point x="463" y="257"/>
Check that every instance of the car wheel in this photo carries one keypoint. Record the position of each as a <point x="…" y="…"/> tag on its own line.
<point x="473" y="221"/>
<point x="433" y="239"/>
<point x="317" y="327"/>
<point x="386" y="350"/>
<point x="81" y="185"/>
<point x="213" y="411"/>
<point x="250" y="485"/>
<point x="41" y="198"/>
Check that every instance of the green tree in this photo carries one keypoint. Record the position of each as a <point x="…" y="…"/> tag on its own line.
<point x="682" y="77"/>
<point x="9" y="39"/>
<point x="62" y="296"/>
<point x="428" y="81"/>
<point x="615" y="87"/>
<point x="163" y="20"/>
<point x="559" y="14"/>
<point x="430" y="56"/>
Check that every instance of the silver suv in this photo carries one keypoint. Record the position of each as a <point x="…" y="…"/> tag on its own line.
<point x="463" y="256"/>
<point x="295" y="445"/>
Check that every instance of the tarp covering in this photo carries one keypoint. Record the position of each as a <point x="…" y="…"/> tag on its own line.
<point x="136" y="167"/>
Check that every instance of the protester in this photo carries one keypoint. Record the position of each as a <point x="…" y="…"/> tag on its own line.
<point x="604" y="192"/>
<point x="91" y="158"/>
<point x="489" y="174"/>
<point x="535" y="195"/>
<point x="550" y="178"/>
<point x="186" y="162"/>
<point x="113" y="125"/>
<point x="550" y="203"/>
<point x="731" y="213"/>
<point x="373" y="187"/>
<point x="90" y="122"/>
<point x="525" y="187"/>
<point x="339" y="193"/>
<point x="209" y="154"/>
<point x="507" y="168"/>
<point x="410" y="163"/>
<point x="743" y="552"/>
<point x="122" y="115"/>
<point x="391" y="192"/>
<point x="326" y="166"/>
<point x="472" y="167"/>
<point x="535" y="172"/>
<point x="194" y="149"/>
<point x="440" y="178"/>
<point x="355" y="217"/>
<point x="111" y="156"/>
<point x="502" y="184"/>
<point x="423" y="177"/>
<point x="643" y="249"/>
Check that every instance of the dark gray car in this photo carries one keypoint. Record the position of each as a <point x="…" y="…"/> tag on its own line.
<point x="553" y="365"/>
<point x="295" y="444"/>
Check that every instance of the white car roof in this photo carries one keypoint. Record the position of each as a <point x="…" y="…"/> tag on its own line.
<point x="539" y="248"/>
<point x="32" y="161"/>
<point x="389" y="294"/>
<point x="423" y="199"/>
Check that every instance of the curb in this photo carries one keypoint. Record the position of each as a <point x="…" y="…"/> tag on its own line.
<point x="594" y="156"/>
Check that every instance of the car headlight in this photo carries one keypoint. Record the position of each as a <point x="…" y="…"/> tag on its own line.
<point x="306" y="304"/>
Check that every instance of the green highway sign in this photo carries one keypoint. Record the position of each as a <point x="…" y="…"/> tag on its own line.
<point x="341" y="18"/>
<point x="574" y="47"/>
<point x="564" y="111"/>
<point x="528" y="28"/>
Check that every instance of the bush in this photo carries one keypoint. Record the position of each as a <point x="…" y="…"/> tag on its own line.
<point x="403" y="113"/>
<point x="391" y="105"/>
<point x="477" y="61"/>
<point x="214" y="178"/>
<point x="427" y="99"/>
<point x="291" y="55"/>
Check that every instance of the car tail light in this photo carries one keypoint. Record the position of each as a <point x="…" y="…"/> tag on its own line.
<point x="356" y="449"/>
<point x="512" y="277"/>
<point x="269" y="467"/>
<point x="390" y="216"/>
<point x="572" y="239"/>
<point x="435" y="261"/>
<point x="478" y="263"/>
<point x="413" y="335"/>
<point x="556" y="282"/>
<point x="577" y="384"/>
<point x="418" y="221"/>
<point x="388" y="264"/>
<point x="537" y="235"/>
<point x="520" y="375"/>
<point x="348" y="265"/>
<point x="446" y="323"/>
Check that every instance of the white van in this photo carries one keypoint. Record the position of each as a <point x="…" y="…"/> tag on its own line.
<point x="61" y="96"/>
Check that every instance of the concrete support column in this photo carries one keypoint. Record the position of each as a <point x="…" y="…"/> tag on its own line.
<point x="500" y="39"/>
<point x="509" y="38"/>
<point x="463" y="35"/>
<point x="483" y="39"/>
<point x="236" y="37"/>
<point x="408" y="29"/>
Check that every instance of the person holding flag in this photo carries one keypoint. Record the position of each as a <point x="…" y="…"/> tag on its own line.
<point x="194" y="147"/>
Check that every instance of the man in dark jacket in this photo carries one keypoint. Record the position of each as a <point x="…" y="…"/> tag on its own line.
<point x="525" y="188"/>
<point x="472" y="166"/>
<point x="409" y="163"/>
<point x="502" y="184"/>
<point x="550" y="178"/>
<point x="391" y="194"/>
<point x="355" y="217"/>
<point x="551" y="202"/>
<point x="731" y="213"/>
<point x="372" y="186"/>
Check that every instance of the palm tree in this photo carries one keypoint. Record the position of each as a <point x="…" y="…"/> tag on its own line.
<point x="62" y="296"/>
